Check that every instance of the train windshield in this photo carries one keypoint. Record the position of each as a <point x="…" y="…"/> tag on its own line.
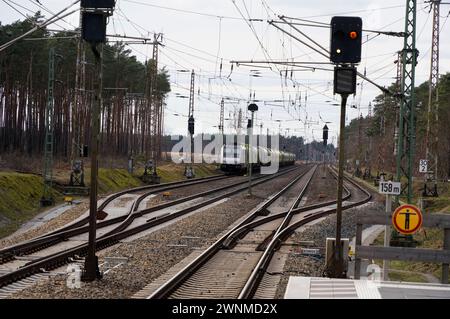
<point x="230" y="151"/>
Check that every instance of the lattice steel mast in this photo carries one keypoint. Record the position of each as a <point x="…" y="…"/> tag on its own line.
<point x="189" y="170"/>
<point x="47" y="196"/>
<point x="221" y="121"/>
<point x="155" y="106"/>
<point x="430" y="187"/>
<point x="406" y="130"/>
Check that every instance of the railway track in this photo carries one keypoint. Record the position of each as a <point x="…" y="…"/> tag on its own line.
<point x="236" y="265"/>
<point x="120" y="232"/>
<point x="76" y="228"/>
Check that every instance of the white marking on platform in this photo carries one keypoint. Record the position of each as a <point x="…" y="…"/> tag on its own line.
<point x="327" y="288"/>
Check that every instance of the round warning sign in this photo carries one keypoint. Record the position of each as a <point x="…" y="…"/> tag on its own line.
<point x="407" y="219"/>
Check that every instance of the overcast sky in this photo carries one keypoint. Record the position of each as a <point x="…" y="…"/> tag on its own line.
<point x="200" y="34"/>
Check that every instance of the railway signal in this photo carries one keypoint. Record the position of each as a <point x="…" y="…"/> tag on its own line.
<point x="325" y="135"/>
<point x="345" y="47"/>
<point x="93" y="31"/>
<point x="346" y="35"/>
<point x="252" y="108"/>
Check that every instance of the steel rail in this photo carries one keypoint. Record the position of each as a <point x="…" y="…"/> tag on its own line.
<point x="61" y="258"/>
<point x="244" y="229"/>
<point x="124" y="221"/>
<point x="168" y="287"/>
<point x="255" y="278"/>
<point x="52" y="238"/>
<point x="153" y="188"/>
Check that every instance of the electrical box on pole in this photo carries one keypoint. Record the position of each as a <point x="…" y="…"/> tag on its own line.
<point x="346" y="36"/>
<point x="344" y="80"/>
<point x="93" y="28"/>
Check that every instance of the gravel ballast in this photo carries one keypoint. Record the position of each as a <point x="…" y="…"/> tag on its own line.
<point x="78" y="210"/>
<point x="57" y="222"/>
<point x="152" y="255"/>
<point x="297" y="265"/>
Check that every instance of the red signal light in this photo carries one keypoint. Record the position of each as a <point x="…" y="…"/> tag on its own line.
<point x="353" y="35"/>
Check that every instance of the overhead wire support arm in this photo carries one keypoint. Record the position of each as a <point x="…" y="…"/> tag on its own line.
<point x="285" y="63"/>
<point x="315" y="24"/>
<point x="273" y="23"/>
<point x="382" y="88"/>
<point x="302" y="33"/>
<point x="298" y="64"/>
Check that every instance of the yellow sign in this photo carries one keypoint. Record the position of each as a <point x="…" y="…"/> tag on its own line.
<point x="407" y="219"/>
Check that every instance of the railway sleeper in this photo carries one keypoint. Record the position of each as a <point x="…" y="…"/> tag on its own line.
<point x="262" y="246"/>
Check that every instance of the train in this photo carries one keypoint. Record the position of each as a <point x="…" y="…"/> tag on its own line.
<point x="233" y="158"/>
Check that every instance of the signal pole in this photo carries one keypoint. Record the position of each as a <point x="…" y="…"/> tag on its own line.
<point x="338" y="256"/>
<point x="91" y="264"/>
<point x="94" y="32"/>
<point x="252" y="108"/>
<point x="346" y="35"/>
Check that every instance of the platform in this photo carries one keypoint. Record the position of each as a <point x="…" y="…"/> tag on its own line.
<point x="327" y="288"/>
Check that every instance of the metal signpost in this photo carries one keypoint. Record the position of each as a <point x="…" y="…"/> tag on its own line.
<point x="389" y="189"/>
<point x="345" y="52"/>
<point x="94" y="14"/>
<point x="252" y="108"/>
<point x="423" y="168"/>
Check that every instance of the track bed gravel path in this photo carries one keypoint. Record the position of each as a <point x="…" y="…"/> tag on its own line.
<point x="297" y="265"/>
<point x="152" y="255"/>
<point x="57" y="222"/>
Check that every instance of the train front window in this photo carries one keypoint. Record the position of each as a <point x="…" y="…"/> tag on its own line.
<point x="229" y="152"/>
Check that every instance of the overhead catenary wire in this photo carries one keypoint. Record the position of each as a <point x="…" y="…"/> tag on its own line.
<point x="29" y="18"/>
<point x="45" y="8"/>
<point x="49" y="21"/>
<point x="212" y="55"/>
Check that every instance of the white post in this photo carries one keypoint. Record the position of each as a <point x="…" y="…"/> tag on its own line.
<point x="387" y="236"/>
<point x="250" y="156"/>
